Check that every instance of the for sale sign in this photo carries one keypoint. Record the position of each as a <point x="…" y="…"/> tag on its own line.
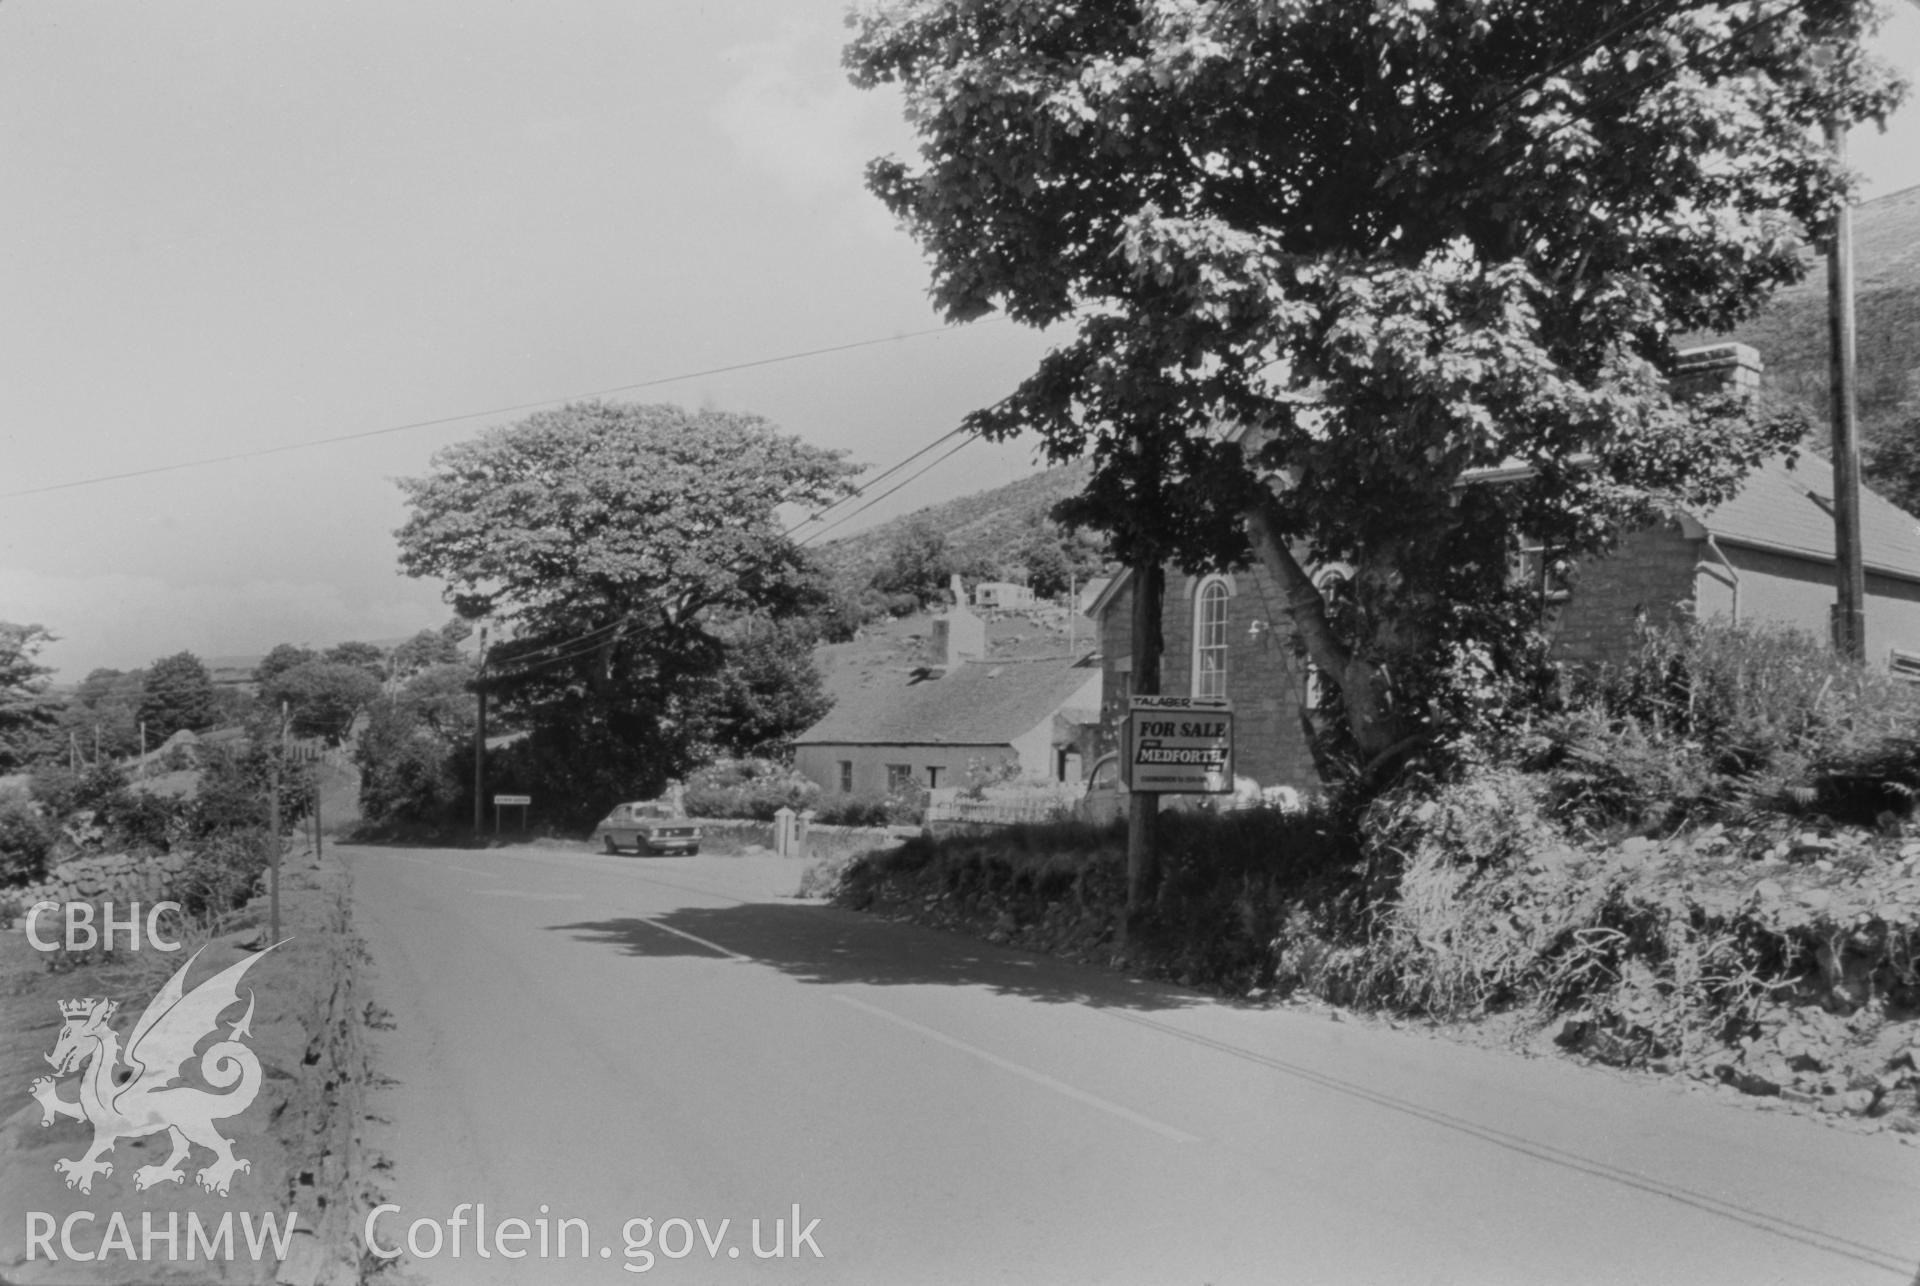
<point x="1180" y="745"/>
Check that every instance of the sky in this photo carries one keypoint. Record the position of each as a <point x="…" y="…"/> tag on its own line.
<point x="230" y="228"/>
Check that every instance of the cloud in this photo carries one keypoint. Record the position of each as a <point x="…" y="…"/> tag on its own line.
<point x="792" y="113"/>
<point x="124" y="621"/>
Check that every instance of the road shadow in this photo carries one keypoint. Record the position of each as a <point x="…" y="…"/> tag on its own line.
<point x="827" y="945"/>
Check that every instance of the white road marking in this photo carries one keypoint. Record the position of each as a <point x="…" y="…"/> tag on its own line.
<point x="682" y="933"/>
<point x="527" y="896"/>
<point x="1038" y="1078"/>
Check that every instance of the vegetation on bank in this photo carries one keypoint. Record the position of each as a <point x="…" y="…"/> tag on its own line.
<point x="1704" y="861"/>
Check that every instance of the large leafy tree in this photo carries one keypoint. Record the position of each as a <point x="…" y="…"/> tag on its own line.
<point x="1389" y="243"/>
<point x="614" y="545"/>
<point x="25" y="713"/>
<point x="415" y="749"/>
<point x="321" y="697"/>
<point x="178" y="693"/>
<point x="282" y="658"/>
<point x="105" y="713"/>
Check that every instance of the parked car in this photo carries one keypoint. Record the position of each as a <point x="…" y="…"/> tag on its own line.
<point x="648" y="826"/>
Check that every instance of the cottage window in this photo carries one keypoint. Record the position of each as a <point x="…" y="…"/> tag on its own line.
<point x="899" y="776"/>
<point x="1210" y="638"/>
<point x="846" y="776"/>
<point x="1542" y="570"/>
<point x="933" y="775"/>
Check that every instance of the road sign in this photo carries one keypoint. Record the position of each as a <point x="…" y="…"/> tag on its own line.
<point x="1180" y="745"/>
<point x="503" y="800"/>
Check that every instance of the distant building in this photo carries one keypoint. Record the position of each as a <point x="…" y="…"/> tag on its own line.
<point x="932" y="724"/>
<point x="1002" y="596"/>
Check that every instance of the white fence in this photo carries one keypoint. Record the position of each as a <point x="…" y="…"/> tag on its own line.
<point x="948" y="808"/>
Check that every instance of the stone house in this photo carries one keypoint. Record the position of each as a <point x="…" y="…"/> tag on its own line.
<point x="958" y="714"/>
<point x="1766" y="555"/>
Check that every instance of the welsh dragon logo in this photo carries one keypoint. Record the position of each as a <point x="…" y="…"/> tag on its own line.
<point x="143" y="1092"/>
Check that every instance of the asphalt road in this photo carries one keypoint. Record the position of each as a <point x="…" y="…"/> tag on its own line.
<point x="613" y="1039"/>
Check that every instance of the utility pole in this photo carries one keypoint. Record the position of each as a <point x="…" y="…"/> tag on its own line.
<point x="1143" y="807"/>
<point x="273" y="833"/>
<point x="1073" y="610"/>
<point x="480" y="745"/>
<point x="1850" y="612"/>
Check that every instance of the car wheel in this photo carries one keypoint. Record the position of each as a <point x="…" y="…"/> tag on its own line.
<point x="612" y="848"/>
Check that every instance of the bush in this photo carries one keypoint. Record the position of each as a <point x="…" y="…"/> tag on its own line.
<point x="65" y="791"/>
<point x="1228" y="883"/>
<point x="136" y="821"/>
<point x="26" y="838"/>
<point x="904" y="807"/>
<point x="748" y="788"/>
<point x="222" y="871"/>
<point x="1711" y="719"/>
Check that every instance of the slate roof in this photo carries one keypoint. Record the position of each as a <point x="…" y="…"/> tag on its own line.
<point x="981" y="703"/>
<point x="1789" y="510"/>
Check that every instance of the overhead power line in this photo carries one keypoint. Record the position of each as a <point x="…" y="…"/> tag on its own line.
<point x="310" y="443"/>
<point x="870" y="483"/>
<point x="848" y="517"/>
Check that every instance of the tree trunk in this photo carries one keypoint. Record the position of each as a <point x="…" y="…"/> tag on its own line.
<point x="1143" y="809"/>
<point x="1365" y="693"/>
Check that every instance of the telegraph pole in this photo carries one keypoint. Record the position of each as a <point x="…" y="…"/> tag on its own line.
<point x="480" y="745"/>
<point x="1143" y="807"/>
<point x="273" y="833"/>
<point x="1850" y="612"/>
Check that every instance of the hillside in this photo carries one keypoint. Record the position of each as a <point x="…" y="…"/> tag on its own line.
<point x="987" y="527"/>
<point x="1791" y="333"/>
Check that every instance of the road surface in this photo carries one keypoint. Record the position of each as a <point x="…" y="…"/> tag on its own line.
<point x="607" y="1040"/>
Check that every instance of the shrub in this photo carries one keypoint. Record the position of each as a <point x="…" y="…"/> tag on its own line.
<point x="861" y="808"/>
<point x="1710" y="717"/>
<point x="65" y="791"/>
<point x="138" y="821"/>
<point x="906" y="806"/>
<point x="222" y="871"/>
<point x="748" y="788"/>
<point x="26" y="838"/>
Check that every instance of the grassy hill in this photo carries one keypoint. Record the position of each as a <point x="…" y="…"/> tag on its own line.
<point x="1791" y="333"/>
<point x="988" y="527"/>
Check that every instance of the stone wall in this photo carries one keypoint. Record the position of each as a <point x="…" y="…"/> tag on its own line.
<point x="113" y="877"/>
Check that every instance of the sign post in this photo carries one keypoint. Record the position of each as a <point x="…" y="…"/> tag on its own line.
<point x="1179" y="746"/>
<point x="510" y="801"/>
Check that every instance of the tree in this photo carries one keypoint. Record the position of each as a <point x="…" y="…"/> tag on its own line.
<point x="178" y="693"/>
<point x="1389" y="244"/>
<point x="322" y="697"/>
<point x="282" y="658"/>
<point x="430" y="648"/>
<point x="24" y="709"/>
<point x="414" y="751"/>
<point x="104" y="713"/>
<point x="766" y="693"/>
<point x="919" y="564"/>
<point x="610" y="543"/>
<point x="363" y="655"/>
